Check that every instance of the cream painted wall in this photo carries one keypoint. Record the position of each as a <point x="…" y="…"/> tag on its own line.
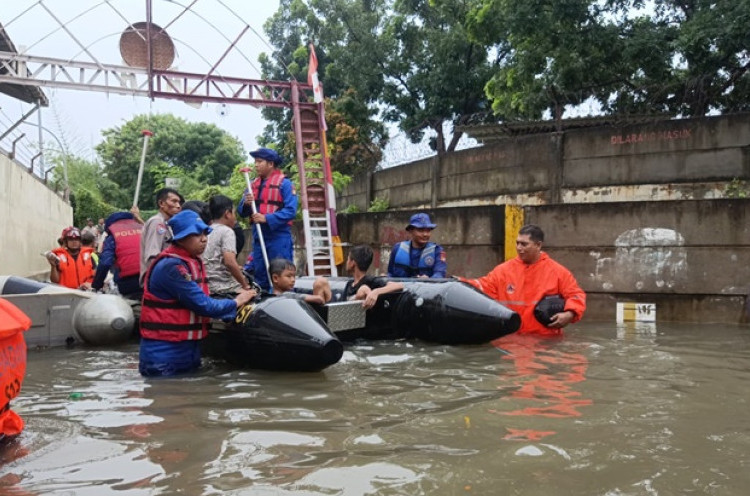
<point x="31" y="219"/>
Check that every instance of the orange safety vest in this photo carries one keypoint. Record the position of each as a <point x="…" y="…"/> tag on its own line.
<point x="520" y="286"/>
<point x="75" y="271"/>
<point x="12" y="365"/>
<point x="168" y="320"/>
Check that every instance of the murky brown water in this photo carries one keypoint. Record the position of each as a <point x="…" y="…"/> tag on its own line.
<point x="606" y="411"/>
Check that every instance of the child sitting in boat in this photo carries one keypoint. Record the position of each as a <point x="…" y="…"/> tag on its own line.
<point x="363" y="286"/>
<point x="283" y="274"/>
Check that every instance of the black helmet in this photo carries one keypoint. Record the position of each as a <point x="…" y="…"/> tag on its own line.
<point x="547" y="308"/>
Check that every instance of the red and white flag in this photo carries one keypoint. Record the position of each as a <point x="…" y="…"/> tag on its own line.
<point x="312" y="76"/>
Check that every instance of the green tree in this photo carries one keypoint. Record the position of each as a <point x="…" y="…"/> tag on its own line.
<point x="356" y="138"/>
<point x="677" y="57"/>
<point x="92" y="194"/>
<point x="407" y="62"/>
<point x="196" y="153"/>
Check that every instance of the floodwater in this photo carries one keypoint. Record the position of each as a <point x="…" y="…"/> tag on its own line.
<point x="608" y="410"/>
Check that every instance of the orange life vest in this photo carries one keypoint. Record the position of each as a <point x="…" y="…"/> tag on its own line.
<point x="168" y="320"/>
<point x="12" y="365"/>
<point x="75" y="271"/>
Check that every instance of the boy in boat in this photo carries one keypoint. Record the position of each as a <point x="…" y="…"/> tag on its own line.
<point x="365" y="287"/>
<point x="283" y="274"/>
<point x="225" y="277"/>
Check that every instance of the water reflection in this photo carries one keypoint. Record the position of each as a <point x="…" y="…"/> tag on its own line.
<point x="606" y="410"/>
<point x="542" y="383"/>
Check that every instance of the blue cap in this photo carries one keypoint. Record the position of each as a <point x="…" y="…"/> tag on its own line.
<point x="185" y="223"/>
<point x="420" y="221"/>
<point x="267" y="154"/>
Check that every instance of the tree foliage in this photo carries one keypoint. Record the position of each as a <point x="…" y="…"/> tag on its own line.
<point x="198" y="154"/>
<point x="407" y="62"/>
<point x="92" y="194"/>
<point x="423" y="63"/>
<point x="681" y="57"/>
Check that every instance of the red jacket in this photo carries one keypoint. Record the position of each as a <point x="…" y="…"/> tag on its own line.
<point x="520" y="286"/>
<point x="167" y="320"/>
<point x="74" y="272"/>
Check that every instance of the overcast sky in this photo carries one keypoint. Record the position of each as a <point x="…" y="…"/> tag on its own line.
<point x="200" y="36"/>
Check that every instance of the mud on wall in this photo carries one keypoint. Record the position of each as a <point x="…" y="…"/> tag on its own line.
<point x="29" y="212"/>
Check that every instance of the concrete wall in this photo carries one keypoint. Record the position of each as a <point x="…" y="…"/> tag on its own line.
<point x="31" y="218"/>
<point x="691" y="258"/>
<point x="667" y="160"/>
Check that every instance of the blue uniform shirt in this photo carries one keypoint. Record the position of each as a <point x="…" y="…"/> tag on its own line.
<point x="168" y="281"/>
<point x="438" y="270"/>
<point x="276" y="223"/>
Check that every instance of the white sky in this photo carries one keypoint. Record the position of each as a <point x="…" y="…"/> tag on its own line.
<point x="200" y="36"/>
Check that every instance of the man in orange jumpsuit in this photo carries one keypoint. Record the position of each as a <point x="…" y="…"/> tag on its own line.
<point x="521" y="283"/>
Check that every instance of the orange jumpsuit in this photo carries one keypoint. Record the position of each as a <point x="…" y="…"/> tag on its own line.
<point x="520" y="286"/>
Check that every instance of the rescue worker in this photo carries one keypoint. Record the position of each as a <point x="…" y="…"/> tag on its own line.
<point x="276" y="203"/>
<point x="523" y="282"/>
<point x="71" y="265"/>
<point x="155" y="235"/>
<point x="121" y="254"/>
<point x="418" y="257"/>
<point x="176" y="308"/>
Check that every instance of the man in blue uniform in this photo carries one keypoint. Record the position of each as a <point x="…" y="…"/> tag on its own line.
<point x="176" y="306"/>
<point x="276" y="204"/>
<point x="418" y="257"/>
<point x="121" y="253"/>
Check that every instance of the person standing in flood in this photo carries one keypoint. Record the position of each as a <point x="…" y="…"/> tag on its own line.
<point x="523" y="282"/>
<point x="121" y="253"/>
<point x="155" y="235"/>
<point x="176" y="308"/>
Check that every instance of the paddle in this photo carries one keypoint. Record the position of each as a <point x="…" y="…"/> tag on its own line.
<point x="245" y="171"/>
<point x="146" y="135"/>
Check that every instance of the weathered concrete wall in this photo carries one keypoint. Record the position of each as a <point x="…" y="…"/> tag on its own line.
<point x="668" y="160"/>
<point x="691" y="258"/>
<point x="31" y="218"/>
<point x="472" y="237"/>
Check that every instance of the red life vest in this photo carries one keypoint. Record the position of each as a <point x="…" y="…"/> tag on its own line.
<point x="271" y="199"/>
<point x="74" y="272"/>
<point x="167" y="320"/>
<point x="127" y="236"/>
